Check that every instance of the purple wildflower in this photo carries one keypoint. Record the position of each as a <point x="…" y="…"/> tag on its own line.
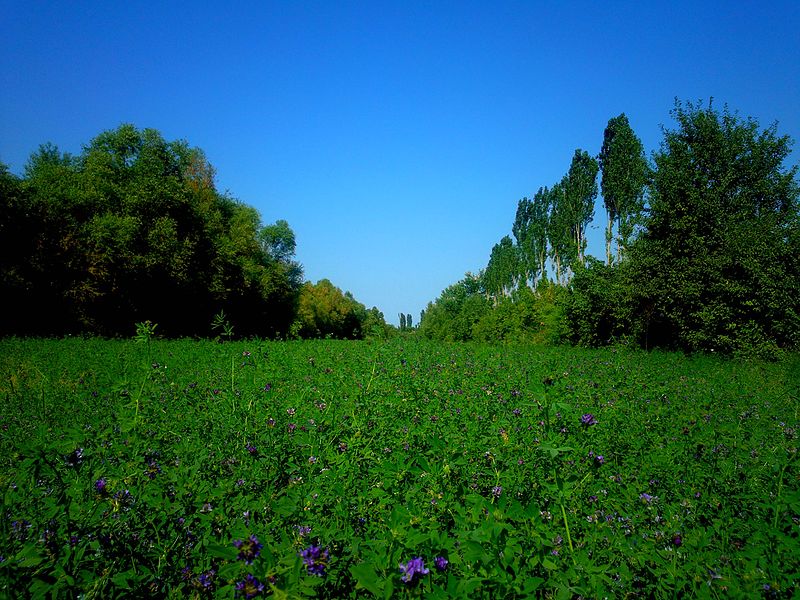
<point x="252" y="450"/>
<point x="315" y="559"/>
<point x="100" y="486"/>
<point x="441" y="563"/>
<point x="646" y="498"/>
<point x="497" y="491"/>
<point x="413" y="570"/>
<point x="206" y="580"/>
<point x="588" y="420"/>
<point x="249" y="550"/>
<point x="599" y="459"/>
<point x="249" y="587"/>
<point x="677" y="540"/>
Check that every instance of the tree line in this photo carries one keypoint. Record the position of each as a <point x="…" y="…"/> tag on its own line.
<point x="133" y="229"/>
<point x="702" y="247"/>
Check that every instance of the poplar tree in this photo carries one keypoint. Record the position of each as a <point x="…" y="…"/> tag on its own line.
<point x="624" y="178"/>
<point x="579" y="195"/>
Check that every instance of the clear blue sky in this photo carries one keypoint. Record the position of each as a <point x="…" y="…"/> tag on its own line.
<point x="395" y="138"/>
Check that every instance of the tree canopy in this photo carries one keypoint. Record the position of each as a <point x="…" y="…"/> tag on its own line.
<point x="134" y="229"/>
<point x="708" y="246"/>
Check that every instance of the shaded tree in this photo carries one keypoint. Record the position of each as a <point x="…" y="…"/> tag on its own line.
<point x="717" y="267"/>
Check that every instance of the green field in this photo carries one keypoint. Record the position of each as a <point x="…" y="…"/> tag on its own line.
<point x="171" y="468"/>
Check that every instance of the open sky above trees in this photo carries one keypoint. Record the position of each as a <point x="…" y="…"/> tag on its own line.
<point x="396" y="139"/>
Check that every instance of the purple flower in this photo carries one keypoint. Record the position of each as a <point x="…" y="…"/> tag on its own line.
<point x="599" y="459"/>
<point x="249" y="587"/>
<point x="100" y="486"/>
<point x="588" y="420"/>
<point x="206" y="580"/>
<point x="677" y="540"/>
<point x="315" y="559"/>
<point x="441" y="563"/>
<point x="646" y="498"/>
<point x="249" y="550"/>
<point x="497" y="491"/>
<point x="413" y="570"/>
<point x="252" y="450"/>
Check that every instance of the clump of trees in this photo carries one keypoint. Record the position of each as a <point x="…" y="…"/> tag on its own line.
<point x="133" y="229"/>
<point x="707" y="247"/>
<point x="324" y="311"/>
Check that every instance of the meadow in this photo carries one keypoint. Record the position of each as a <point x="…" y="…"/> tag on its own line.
<point x="400" y="469"/>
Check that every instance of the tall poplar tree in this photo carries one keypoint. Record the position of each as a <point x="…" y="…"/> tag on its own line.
<point x="625" y="173"/>
<point x="579" y="195"/>
<point x="530" y="232"/>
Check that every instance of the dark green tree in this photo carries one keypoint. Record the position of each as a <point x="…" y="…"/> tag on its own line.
<point x="133" y="229"/>
<point x="625" y="174"/>
<point x="718" y="267"/>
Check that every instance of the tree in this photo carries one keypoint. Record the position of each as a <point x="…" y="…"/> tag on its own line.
<point x="717" y="267"/>
<point x="402" y="322"/>
<point x="580" y="192"/>
<point x="625" y="175"/>
<point x="559" y="228"/>
<point x="132" y="229"/>
<point x="409" y="321"/>
<point x="530" y="233"/>
<point x="452" y="316"/>
<point x="501" y="274"/>
<point x="324" y="311"/>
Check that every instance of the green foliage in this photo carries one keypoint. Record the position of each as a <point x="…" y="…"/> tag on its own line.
<point x="717" y="268"/>
<point x="530" y="231"/>
<point x="222" y="326"/>
<point x="324" y="311"/>
<point x="502" y="273"/>
<point x="625" y="175"/>
<point x="453" y="315"/>
<point x="534" y="472"/>
<point x="580" y="191"/>
<point x="145" y="331"/>
<point x="712" y="264"/>
<point x="598" y="308"/>
<point x="132" y="228"/>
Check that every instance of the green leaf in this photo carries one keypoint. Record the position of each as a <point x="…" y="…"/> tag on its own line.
<point x="367" y="578"/>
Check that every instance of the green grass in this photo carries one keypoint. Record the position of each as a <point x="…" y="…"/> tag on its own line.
<point x="391" y="451"/>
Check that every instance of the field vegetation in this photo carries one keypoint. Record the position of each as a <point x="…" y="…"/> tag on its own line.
<point x="407" y="468"/>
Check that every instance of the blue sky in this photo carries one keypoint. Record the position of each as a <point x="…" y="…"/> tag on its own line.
<point x="395" y="138"/>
